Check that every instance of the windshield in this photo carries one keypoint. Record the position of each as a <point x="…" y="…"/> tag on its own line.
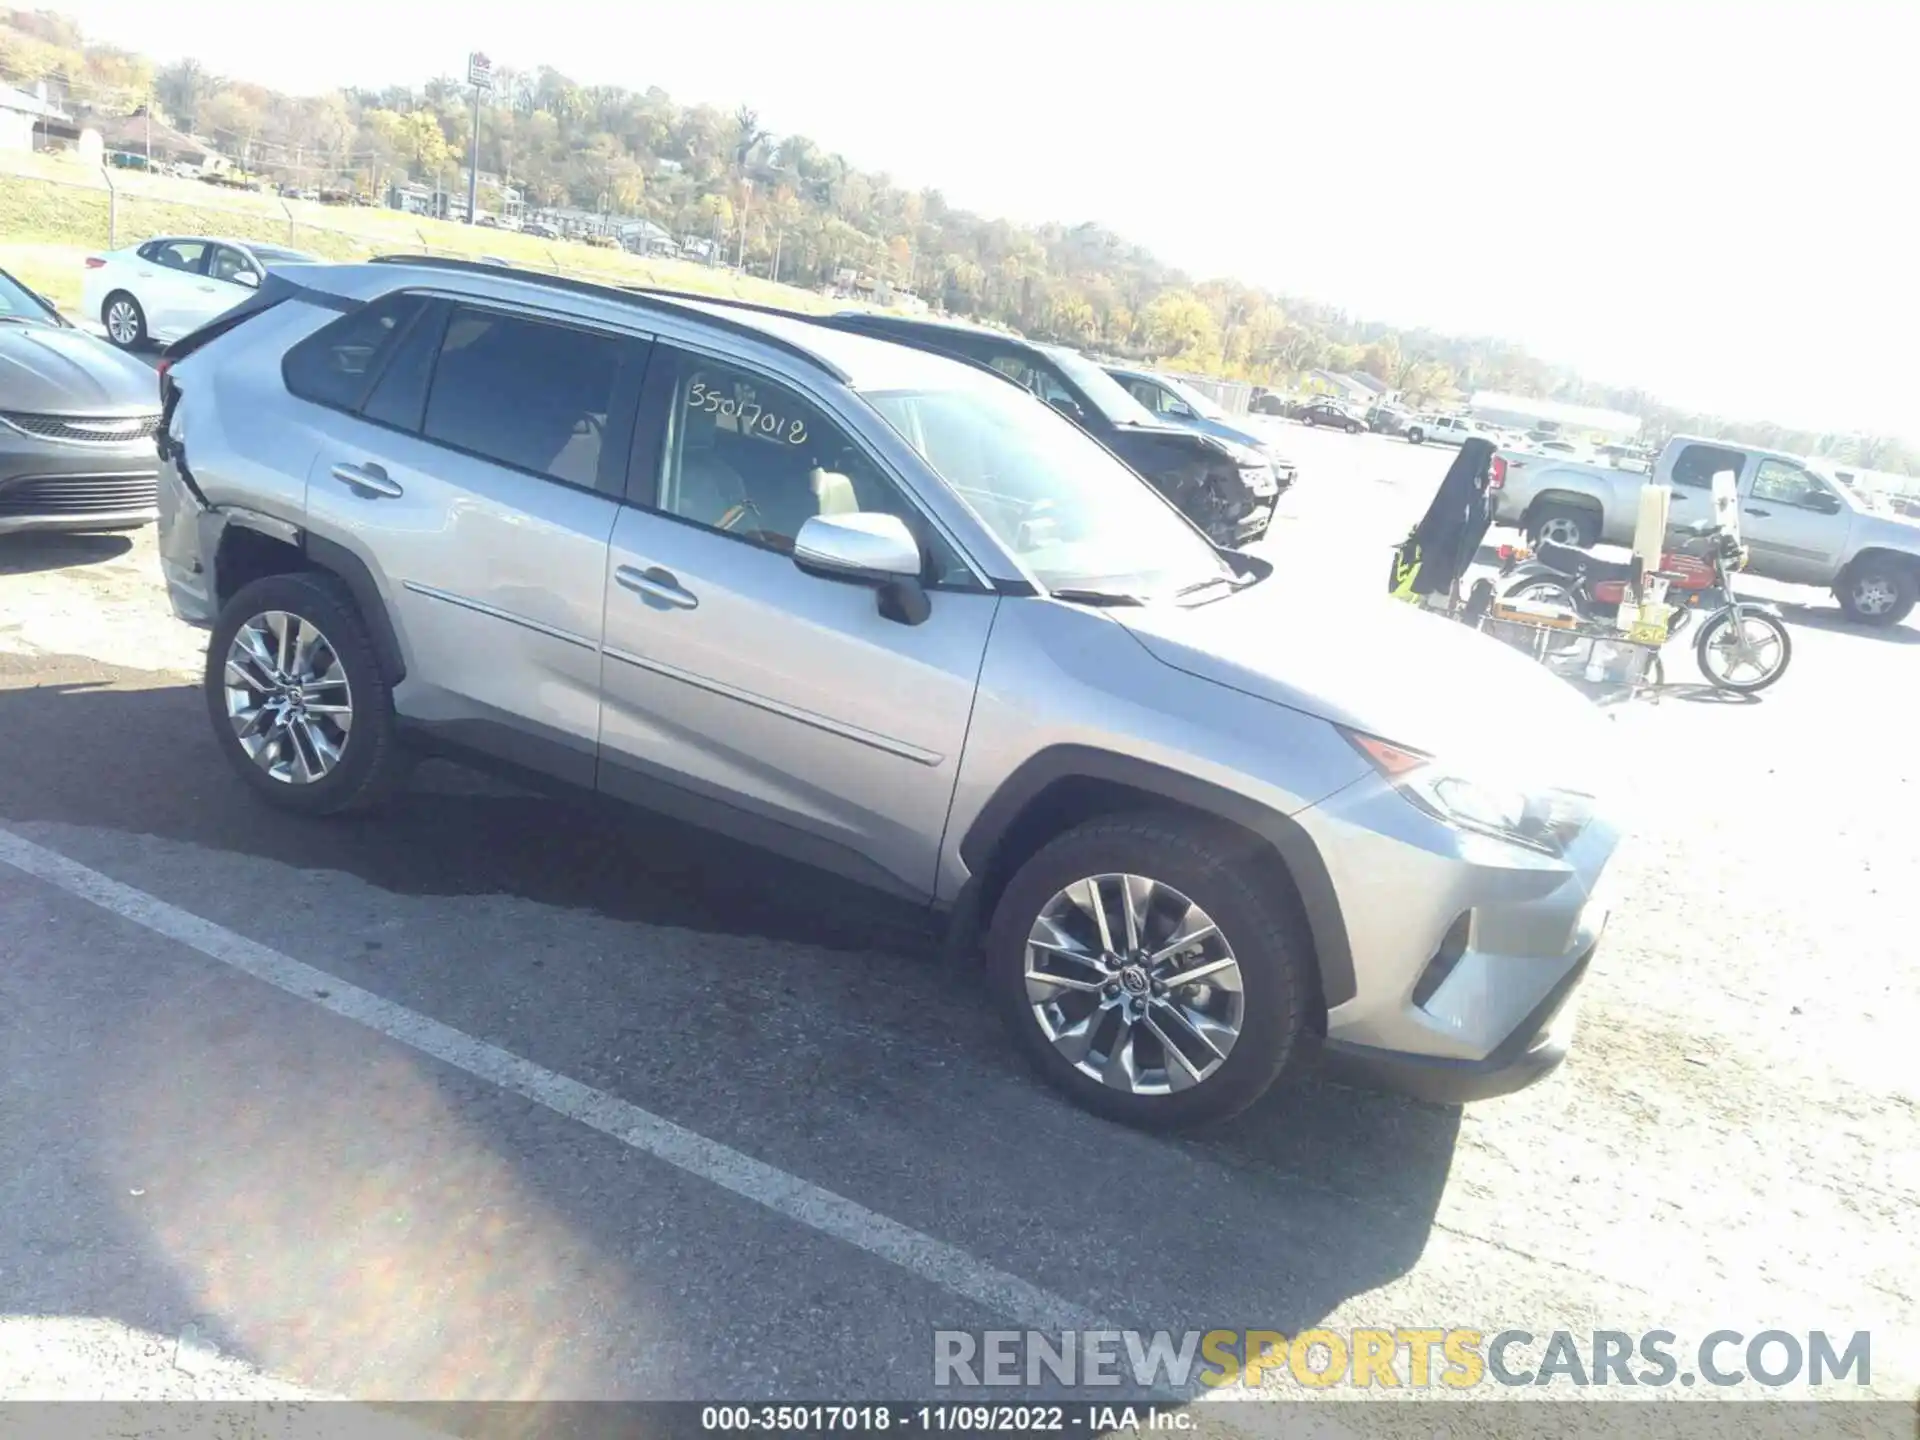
<point x="1075" y="516"/>
<point x="1108" y="395"/>
<point x="1197" y="400"/>
<point x="17" y="303"/>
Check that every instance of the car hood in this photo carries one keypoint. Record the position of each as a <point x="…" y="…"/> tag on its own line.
<point x="1384" y="667"/>
<point x="49" y="371"/>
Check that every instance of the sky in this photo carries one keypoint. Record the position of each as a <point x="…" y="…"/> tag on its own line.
<point x="1714" y="202"/>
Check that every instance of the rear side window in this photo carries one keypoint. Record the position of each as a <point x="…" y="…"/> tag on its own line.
<point x="1695" y="466"/>
<point x="335" y="365"/>
<point x="527" y="393"/>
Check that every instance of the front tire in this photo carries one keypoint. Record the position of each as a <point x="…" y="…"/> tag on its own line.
<point x="125" y="322"/>
<point x="1877" y="593"/>
<point x="299" y="703"/>
<point x="1148" y="972"/>
<point x="1416" y="436"/>
<point x="1768" y="648"/>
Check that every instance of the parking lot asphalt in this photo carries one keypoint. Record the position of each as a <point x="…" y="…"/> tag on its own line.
<point x="497" y="1096"/>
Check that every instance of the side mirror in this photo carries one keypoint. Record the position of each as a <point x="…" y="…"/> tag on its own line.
<point x="246" y="278"/>
<point x="1068" y="408"/>
<point x="865" y="548"/>
<point x="1824" y="502"/>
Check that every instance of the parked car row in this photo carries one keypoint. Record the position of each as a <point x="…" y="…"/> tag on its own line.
<point x="837" y="586"/>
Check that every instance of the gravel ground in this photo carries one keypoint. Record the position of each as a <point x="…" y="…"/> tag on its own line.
<point x="336" y="1209"/>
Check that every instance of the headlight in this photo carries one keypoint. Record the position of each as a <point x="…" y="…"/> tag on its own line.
<point x="1544" y="820"/>
<point x="1245" y="456"/>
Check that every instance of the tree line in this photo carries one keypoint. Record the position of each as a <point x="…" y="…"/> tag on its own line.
<point x="786" y="207"/>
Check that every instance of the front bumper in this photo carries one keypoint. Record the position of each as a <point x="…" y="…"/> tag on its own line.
<point x="1467" y="951"/>
<point x="50" y="485"/>
<point x="1532" y="1052"/>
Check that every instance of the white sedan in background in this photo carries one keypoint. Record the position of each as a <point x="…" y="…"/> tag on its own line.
<point x="163" y="288"/>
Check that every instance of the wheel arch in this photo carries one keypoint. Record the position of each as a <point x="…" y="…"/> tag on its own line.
<point x="251" y="547"/>
<point x="1067" y="785"/>
<point x="1882" y="554"/>
<point x="1565" y="499"/>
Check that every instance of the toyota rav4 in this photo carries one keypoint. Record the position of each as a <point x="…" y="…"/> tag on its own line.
<point x="885" y="612"/>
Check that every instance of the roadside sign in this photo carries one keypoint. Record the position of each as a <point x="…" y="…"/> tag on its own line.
<point x="479" y="71"/>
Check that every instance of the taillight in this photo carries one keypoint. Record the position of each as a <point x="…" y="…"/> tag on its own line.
<point x="94" y="262"/>
<point x="1499" y="476"/>
<point x="1506" y="552"/>
<point x="165" y="364"/>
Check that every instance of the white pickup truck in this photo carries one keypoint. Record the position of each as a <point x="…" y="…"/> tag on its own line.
<point x="1799" y="525"/>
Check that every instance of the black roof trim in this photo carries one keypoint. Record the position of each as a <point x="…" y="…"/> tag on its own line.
<point x="664" y="300"/>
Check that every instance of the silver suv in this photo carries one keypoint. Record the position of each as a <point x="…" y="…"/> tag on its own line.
<point x="883" y="611"/>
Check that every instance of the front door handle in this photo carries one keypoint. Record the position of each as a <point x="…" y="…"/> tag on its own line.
<point x="1752" y="511"/>
<point x="369" y="480"/>
<point x="655" y="584"/>
<point x="208" y="289"/>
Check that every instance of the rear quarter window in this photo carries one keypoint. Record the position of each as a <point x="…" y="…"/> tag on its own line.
<point x="336" y="364"/>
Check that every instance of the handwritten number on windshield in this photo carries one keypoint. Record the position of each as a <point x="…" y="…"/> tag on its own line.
<point x="749" y="416"/>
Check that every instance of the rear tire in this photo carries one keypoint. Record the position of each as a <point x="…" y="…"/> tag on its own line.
<point x="1353" y="427"/>
<point x="1877" y="592"/>
<point x="125" y="322"/>
<point x="327" y="768"/>
<point x="1564" y="525"/>
<point x="1164" y="861"/>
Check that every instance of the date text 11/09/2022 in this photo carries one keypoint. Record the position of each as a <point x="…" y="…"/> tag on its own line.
<point x="1085" y="1418"/>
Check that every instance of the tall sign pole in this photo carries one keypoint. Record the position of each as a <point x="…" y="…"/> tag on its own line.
<point x="480" y="77"/>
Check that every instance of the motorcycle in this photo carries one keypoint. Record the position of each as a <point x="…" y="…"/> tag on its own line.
<point x="1743" y="646"/>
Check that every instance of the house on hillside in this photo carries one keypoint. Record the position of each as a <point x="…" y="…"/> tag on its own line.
<point x="148" y="135"/>
<point x="28" y="120"/>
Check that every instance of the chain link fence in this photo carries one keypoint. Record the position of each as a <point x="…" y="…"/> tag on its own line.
<point x="47" y="202"/>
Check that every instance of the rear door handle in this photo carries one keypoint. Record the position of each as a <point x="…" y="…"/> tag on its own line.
<point x="1752" y="511"/>
<point x="369" y="480"/>
<point x="208" y="288"/>
<point x="656" y="584"/>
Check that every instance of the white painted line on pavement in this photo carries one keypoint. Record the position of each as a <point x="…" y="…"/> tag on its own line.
<point x="947" y="1266"/>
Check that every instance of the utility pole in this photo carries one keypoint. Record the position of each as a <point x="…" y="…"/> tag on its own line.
<point x="746" y="204"/>
<point x="148" y="112"/>
<point x="480" y="76"/>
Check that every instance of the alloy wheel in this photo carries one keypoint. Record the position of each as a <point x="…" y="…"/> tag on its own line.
<point x="123" y="322"/>
<point x="1743" y="644"/>
<point x="1561" y="530"/>
<point x="1134" y="984"/>
<point x="287" y="697"/>
<point x="1874" y="595"/>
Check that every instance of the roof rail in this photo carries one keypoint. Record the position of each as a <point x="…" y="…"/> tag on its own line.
<point x="663" y="300"/>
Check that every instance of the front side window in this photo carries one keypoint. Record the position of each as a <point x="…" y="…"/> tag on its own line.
<point x="1073" y="514"/>
<point x="1784" y="483"/>
<point x="750" y="457"/>
<point x="229" y="263"/>
<point x="525" y="392"/>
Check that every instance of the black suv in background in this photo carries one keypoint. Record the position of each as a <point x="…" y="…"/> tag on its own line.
<point x="1228" y="490"/>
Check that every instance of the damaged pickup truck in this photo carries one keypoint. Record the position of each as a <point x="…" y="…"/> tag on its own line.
<point x="1229" y="490"/>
